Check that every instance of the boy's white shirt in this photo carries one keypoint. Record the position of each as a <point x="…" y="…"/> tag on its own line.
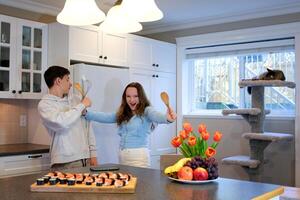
<point x="67" y="128"/>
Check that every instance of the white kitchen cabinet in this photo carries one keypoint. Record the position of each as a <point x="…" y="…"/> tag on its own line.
<point x="7" y="56"/>
<point x="23" y="164"/>
<point x="92" y="45"/>
<point x="145" y="53"/>
<point x="154" y="83"/>
<point x="23" y="58"/>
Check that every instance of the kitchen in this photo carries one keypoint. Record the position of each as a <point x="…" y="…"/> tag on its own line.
<point x="61" y="52"/>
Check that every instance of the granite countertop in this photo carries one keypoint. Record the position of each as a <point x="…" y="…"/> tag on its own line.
<point x="21" y="149"/>
<point x="151" y="184"/>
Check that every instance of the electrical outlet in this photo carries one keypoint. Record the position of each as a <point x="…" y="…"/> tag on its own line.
<point x="23" y="120"/>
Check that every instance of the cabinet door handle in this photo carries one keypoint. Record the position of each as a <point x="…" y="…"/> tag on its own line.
<point x="14" y="91"/>
<point x="35" y="156"/>
<point x="157" y="65"/>
<point x="153" y="75"/>
<point x="156" y="76"/>
<point x="20" y="91"/>
<point x="100" y="56"/>
<point x="153" y="64"/>
<point x="105" y="57"/>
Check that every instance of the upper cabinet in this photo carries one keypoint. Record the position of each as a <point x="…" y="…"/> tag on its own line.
<point x="88" y="44"/>
<point x="145" y="53"/>
<point x="23" y="58"/>
<point x="7" y="56"/>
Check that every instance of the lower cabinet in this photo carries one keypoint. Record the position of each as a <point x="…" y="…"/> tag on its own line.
<point x="23" y="164"/>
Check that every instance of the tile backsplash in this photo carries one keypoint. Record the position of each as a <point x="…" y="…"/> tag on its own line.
<point x="10" y="112"/>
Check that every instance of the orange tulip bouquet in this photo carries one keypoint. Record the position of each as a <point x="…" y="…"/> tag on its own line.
<point x="198" y="163"/>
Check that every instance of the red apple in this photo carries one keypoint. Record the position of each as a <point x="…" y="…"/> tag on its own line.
<point x="200" y="174"/>
<point x="185" y="173"/>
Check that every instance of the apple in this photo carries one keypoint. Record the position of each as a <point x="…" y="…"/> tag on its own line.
<point x="200" y="174"/>
<point x="185" y="173"/>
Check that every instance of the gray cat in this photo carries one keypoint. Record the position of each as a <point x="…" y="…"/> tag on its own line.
<point x="269" y="75"/>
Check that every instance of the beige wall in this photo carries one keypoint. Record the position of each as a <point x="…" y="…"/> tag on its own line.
<point x="10" y="130"/>
<point x="279" y="156"/>
<point x="170" y="36"/>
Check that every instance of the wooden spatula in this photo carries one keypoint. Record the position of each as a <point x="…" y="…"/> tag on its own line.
<point x="79" y="88"/>
<point x="165" y="98"/>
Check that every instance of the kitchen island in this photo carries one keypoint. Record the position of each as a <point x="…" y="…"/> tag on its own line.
<point x="151" y="184"/>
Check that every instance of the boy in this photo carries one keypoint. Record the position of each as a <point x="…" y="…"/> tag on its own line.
<point x="72" y="144"/>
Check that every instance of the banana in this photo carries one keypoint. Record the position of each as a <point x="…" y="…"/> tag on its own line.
<point x="176" y="166"/>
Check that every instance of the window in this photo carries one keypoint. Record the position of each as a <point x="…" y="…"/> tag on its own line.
<point x="213" y="76"/>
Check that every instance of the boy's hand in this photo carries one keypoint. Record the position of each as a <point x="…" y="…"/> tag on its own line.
<point x="86" y="102"/>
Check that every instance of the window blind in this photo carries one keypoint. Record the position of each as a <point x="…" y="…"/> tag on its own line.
<point x="240" y="48"/>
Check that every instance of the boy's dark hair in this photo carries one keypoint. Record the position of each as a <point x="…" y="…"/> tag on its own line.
<point x="54" y="72"/>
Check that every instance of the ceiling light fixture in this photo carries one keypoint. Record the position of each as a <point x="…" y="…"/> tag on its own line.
<point x="143" y="11"/>
<point x="118" y="21"/>
<point x="80" y="13"/>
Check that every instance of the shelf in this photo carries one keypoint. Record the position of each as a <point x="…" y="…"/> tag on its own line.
<point x="267" y="83"/>
<point x="241" y="160"/>
<point x="268" y="136"/>
<point x="246" y="111"/>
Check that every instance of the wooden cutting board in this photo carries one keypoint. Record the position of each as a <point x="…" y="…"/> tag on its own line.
<point x="129" y="188"/>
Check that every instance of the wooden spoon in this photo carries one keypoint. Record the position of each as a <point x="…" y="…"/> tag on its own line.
<point x="165" y="98"/>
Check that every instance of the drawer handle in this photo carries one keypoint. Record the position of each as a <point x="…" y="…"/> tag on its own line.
<point x="35" y="156"/>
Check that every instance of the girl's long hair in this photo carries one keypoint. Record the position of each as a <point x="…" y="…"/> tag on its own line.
<point x="124" y="113"/>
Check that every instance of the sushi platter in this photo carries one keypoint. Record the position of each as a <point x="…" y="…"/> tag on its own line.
<point x="104" y="182"/>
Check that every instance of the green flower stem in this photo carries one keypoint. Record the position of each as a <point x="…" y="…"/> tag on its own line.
<point x="185" y="147"/>
<point x="183" y="152"/>
<point x="214" y="145"/>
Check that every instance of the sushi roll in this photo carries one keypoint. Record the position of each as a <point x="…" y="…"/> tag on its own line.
<point x="46" y="179"/>
<point x="62" y="181"/>
<point x="50" y="174"/>
<point x="79" y="180"/>
<point x="95" y="175"/>
<point x="69" y="175"/>
<point x="40" y="181"/>
<point x="71" y="181"/>
<point x="108" y="182"/>
<point x="88" y="182"/>
<point x="125" y="177"/>
<point x="99" y="181"/>
<point x="99" y="184"/>
<point x="52" y="181"/>
<point x="103" y="175"/>
<point x="119" y="183"/>
<point x="113" y="176"/>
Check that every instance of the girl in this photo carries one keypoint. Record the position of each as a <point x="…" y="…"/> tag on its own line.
<point x="135" y="119"/>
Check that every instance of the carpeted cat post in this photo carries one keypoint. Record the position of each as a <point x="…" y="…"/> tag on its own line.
<point x="258" y="139"/>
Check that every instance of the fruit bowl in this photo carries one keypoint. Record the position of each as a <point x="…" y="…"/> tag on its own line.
<point x="193" y="170"/>
<point x="192" y="181"/>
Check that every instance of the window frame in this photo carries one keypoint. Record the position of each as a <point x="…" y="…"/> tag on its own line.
<point x="191" y="75"/>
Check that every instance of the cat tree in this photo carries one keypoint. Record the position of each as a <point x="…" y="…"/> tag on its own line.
<point x="258" y="139"/>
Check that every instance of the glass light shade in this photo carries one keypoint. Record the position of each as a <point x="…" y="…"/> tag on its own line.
<point x="80" y="13"/>
<point x="117" y="21"/>
<point x="142" y="10"/>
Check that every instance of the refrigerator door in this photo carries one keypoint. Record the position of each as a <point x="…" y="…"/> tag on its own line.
<point x="107" y="85"/>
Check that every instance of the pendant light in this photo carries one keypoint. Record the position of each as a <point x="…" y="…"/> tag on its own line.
<point x="118" y="21"/>
<point x="80" y="13"/>
<point x="143" y="10"/>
